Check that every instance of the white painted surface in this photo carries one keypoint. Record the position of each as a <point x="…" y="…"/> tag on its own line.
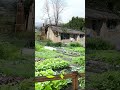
<point x="50" y="48"/>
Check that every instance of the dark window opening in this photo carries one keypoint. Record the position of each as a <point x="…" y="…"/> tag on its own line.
<point x="111" y="24"/>
<point x="65" y="36"/>
<point x="81" y="35"/>
<point x="94" y="26"/>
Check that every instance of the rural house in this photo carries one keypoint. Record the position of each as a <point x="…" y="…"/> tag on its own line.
<point x="24" y="22"/>
<point x="100" y="22"/>
<point x="59" y="34"/>
<point x="103" y="24"/>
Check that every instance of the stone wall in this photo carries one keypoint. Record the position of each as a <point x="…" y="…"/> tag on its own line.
<point x="52" y="36"/>
<point x="112" y="35"/>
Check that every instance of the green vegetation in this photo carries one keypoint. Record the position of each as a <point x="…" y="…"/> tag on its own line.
<point x="76" y="23"/>
<point x="79" y="60"/>
<point x="51" y="64"/>
<point x="75" y="45"/>
<point x="105" y="81"/>
<point x="26" y="84"/>
<point x="102" y="52"/>
<point x="50" y="85"/>
<point x="50" y="43"/>
<point x="54" y="62"/>
<point x="14" y="65"/>
<point x="98" y="44"/>
<point x="7" y="50"/>
<point x="12" y="61"/>
<point x="108" y="56"/>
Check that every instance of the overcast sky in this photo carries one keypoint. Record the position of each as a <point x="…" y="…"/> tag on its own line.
<point x="73" y="8"/>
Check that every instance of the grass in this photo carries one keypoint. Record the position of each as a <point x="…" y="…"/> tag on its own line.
<point x="18" y="67"/>
<point x="108" y="80"/>
<point x="104" y="81"/>
<point x="108" y="56"/>
<point x="50" y="62"/>
<point x="12" y="63"/>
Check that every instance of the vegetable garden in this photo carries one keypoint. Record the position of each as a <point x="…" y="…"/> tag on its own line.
<point x="60" y="62"/>
<point x="102" y="65"/>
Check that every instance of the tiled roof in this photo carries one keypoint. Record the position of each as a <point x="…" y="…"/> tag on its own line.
<point x="65" y="30"/>
<point x="91" y="13"/>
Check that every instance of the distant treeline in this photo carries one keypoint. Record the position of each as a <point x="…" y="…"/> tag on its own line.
<point x="75" y="23"/>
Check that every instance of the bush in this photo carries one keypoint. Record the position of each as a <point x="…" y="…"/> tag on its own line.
<point x="59" y="44"/>
<point x="51" y="64"/>
<point x="38" y="47"/>
<point x="50" y="43"/>
<point x="7" y="50"/>
<point x="105" y="81"/>
<point x="73" y="44"/>
<point x="98" y="44"/>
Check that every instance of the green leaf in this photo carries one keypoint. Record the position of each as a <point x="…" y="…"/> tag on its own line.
<point x="48" y="87"/>
<point x="50" y="76"/>
<point x="61" y="75"/>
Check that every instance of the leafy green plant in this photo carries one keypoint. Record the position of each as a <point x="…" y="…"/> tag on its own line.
<point x="38" y="47"/>
<point x="108" y="56"/>
<point x="105" y="81"/>
<point x="79" y="60"/>
<point x="7" y="51"/>
<point x="51" y="64"/>
<point x="81" y="83"/>
<point x="26" y="84"/>
<point x="73" y="44"/>
<point x="46" y="54"/>
<point x="98" y="44"/>
<point x="52" y="44"/>
<point x="50" y="85"/>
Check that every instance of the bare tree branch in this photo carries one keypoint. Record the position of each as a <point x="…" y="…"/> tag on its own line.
<point x="47" y="10"/>
<point x="57" y="9"/>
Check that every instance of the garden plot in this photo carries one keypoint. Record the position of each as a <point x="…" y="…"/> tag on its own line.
<point x="107" y="76"/>
<point x="58" y="61"/>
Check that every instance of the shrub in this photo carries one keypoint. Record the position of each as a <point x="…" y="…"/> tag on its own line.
<point x="7" y="50"/>
<point x="51" y="64"/>
<point x="38" y="47"/>
<point x="73" y="44"/>
<point x="105" y="81"/>
<point x="98" y="44"/>
<point x="59" y="44"/>
<point x="49" y="43"/>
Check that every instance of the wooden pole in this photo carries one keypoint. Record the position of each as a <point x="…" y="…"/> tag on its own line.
<point x="75" y="81"/>
<point x="73" y="75"/>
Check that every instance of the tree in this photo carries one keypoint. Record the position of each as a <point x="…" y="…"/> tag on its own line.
<point x="75" y="23"/>
<point x="53" y="9"/>
<point x="58" y="7"/>
<point x="47" y="10"/>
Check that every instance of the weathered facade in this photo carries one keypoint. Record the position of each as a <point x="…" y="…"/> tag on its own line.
<point x="103" y="24"/>
<point x="30" y="24"/>
<point x="24" y="22"/>
<point x="20" y="18"/>
<point x="7" y="16"/>
<point x="59" y="34"/>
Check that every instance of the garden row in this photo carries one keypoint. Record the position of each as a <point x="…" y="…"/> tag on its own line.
<point x="102" y="65"/>
<point x="57" y="62"/>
